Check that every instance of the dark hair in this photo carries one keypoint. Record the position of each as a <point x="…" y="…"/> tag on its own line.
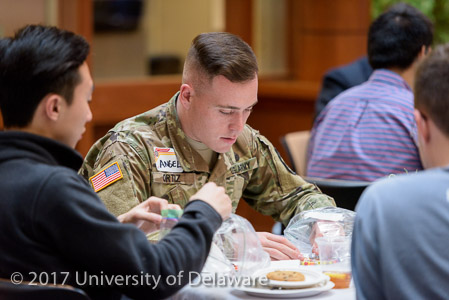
<point x="432" y="87"/>
<point x="222" y="53"/>
<point x="37" y="61"/>
<point x="396" y="37"/>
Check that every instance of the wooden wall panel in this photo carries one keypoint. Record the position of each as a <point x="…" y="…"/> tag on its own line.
<point x="277" y="117"/>
<point x="325" y="34"/>
<point x="333" y="16"/>
<point x="322" y="52"/>
<point x="239" y="19"/>
<point x="76" y="16"/>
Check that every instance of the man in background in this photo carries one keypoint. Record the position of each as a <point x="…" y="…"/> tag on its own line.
<point x="369" y="131"/>
<point x="201" y="136"/>
<point x="52" y="223"/>
<point x="399" y="246"/>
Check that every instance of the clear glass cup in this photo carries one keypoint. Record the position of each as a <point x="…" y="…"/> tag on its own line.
<point x="335" y="259"/>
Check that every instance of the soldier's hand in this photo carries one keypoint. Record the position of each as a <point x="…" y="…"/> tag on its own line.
<point x="216" y="197"/>
<point x="278" y="247"/>
<point x="147" y="215"/>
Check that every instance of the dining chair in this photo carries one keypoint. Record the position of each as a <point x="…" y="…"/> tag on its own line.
<point x="295" y="144"/>
<point x="26" y="291"/>
<point x="345" y="193"/>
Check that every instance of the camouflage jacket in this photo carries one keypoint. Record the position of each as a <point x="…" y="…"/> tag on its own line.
<point x="155" y="159"/>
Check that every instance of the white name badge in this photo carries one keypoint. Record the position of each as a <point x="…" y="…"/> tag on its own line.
<point x="166" y="160"/>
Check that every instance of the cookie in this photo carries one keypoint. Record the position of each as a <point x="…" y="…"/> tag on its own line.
<point x="286" y="276"/>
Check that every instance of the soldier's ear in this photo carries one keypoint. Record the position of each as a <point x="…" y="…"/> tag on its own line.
<point x="185" y="95"/>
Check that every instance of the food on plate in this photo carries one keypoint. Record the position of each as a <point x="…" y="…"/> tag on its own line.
<point x="286" y="276"/>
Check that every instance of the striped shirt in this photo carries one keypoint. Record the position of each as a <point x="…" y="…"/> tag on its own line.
<point x="366" y="132"/>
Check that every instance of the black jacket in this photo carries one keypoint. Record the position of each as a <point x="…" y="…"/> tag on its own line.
<point x="340" y="79"/>
<point x="51" y="221"/>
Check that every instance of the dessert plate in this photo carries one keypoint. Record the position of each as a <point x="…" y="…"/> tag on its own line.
<point x="286" y="293"/>
<point x="311" y="278"/>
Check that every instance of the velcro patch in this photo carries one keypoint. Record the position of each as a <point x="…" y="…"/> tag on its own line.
<point x="244" y="166"/>
<point x="107" y="176"/>
<point x="173" y="178"/>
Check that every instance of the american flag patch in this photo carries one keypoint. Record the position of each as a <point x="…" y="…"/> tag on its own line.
<point x="105" y="177"/>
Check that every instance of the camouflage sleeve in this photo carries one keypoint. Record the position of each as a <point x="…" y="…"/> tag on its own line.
<point x="132" y="188"/>
<point x="274" y="189"/>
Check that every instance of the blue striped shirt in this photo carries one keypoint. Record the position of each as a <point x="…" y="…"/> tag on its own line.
<point x="366" y="132"/>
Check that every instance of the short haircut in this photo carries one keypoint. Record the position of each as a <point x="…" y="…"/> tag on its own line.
<point x="432" y="87"/>
<point x="396" y="37"/>
<point x="220" y="53"/>
<point x="37" y="61"/>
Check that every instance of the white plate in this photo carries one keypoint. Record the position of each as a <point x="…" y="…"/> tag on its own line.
<point x="285" y="294"/>
<point x="311" y="277"/>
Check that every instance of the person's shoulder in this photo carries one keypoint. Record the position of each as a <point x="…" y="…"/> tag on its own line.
<point x="143" y="122"/>
<point x="361" y="66"/>
<point x="398" y="188"/>
<point x="136" y="129"/>
<point x="250" y="137"/>
<point x="393" y="181"/>
<point x="61" y="183"/>
<point x="66" y="193"/>
<point x="402" y="198"/>
<point x="58" y="176"/>
<point x="57" y="181"/>
<point x="250" y="142"/>
<point x="354" y="72"/>
<point x="346" y="98"/>
<point x="137" y="133"/>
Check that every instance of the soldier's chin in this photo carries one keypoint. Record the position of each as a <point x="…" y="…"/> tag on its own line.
<point x="223" y="149"/>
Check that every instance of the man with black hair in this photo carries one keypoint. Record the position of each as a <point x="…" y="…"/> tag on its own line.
<point x="52" y="222"/>
<point x="368" y="131"/>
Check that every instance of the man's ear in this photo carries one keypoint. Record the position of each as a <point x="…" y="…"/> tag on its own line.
<point x="185" y="95"/>
<point x="53" y="106"/>
<point x="425" y="50"/>
<point x="422" y="124"/>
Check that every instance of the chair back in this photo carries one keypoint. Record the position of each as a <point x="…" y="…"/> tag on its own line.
<point x="25" y="291"/>
<point x="345" y="193"/>
<point x="295" y="144"/>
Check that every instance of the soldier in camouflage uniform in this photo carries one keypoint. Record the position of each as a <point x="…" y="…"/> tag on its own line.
<point x="201" y="135"/>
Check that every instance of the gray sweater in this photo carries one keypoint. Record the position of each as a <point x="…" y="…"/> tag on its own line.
<point x="401" y="238"/>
